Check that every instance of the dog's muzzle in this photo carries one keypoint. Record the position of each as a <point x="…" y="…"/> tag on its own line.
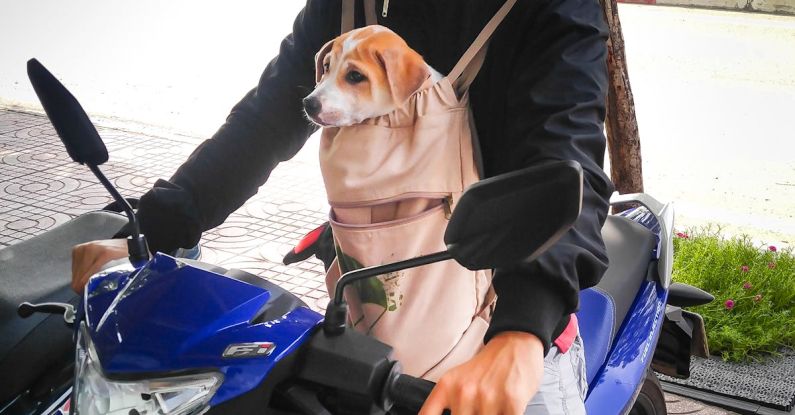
<point x="312" y="106"/>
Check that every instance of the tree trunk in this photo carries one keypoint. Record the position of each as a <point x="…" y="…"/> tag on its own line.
<point x="623" y="140"/>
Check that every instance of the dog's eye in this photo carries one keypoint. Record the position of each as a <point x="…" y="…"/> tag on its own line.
<point x="354" y="77"/>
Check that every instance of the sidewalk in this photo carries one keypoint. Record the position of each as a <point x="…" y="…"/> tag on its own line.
<point x="42" y="188"/>
<point x="764" y="6"/>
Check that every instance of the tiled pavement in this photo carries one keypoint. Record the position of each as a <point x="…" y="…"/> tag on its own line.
<point x="40" y="188"/>
<point x="678" y="405"/>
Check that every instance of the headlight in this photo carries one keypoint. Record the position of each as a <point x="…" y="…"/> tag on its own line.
<point x="94" y="394"/>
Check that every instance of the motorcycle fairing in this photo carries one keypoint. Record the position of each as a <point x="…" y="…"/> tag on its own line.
<point x="616" y="367"/>
<point x="616" y="385"/>
<point x="168" y="318"/>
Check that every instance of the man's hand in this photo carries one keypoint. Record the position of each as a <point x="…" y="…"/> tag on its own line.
<point x="90" y="257"/>
<point x="500" y="379"/>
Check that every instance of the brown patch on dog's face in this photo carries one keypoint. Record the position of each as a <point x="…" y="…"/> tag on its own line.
<point x="362" y="74"/>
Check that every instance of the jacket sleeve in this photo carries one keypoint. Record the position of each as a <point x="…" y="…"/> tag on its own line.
<point x="266" y="127"/>
<point x="556" y="111"/>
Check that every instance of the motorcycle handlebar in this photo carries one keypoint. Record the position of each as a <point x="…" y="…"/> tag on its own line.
<point x="409" y="394"/>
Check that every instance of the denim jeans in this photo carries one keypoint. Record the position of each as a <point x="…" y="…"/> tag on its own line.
<point x="564" y="385"/>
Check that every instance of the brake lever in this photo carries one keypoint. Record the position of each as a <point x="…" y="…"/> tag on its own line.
<point x="27" y="309"/>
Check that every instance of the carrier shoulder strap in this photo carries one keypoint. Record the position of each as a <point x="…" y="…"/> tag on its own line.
<point x="467" y="68"/>
<point x="347" y="21"/>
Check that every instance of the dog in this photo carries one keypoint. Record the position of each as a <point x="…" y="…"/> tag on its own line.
<point x="364" y="73"/>
<point x="395" y="153"/>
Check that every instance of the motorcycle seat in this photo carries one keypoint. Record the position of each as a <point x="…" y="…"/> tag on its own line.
<point x="39" y="270"/>
<point x="604" y="307"/>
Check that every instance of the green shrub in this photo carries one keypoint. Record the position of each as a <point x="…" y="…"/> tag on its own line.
<point x="754" y="287"/>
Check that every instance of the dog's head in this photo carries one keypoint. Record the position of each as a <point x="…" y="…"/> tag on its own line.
<point x="362" y="74"/>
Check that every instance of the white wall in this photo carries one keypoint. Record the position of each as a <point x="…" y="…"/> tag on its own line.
<point x="176" y="63"/>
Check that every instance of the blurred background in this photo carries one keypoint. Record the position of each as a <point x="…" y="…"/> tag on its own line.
<point x="714" y="90"/>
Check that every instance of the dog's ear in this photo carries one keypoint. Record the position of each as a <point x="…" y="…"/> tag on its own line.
<point x="405" y="72"/>
<point x="321" y="54"/>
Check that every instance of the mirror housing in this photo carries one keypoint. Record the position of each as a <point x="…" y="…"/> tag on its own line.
<point x="83" y="143"/>
<point x="71" y="122"/>
<point x="514" y="217"/>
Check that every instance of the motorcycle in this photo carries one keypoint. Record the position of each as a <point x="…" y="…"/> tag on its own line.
<point x="173" y="335"/>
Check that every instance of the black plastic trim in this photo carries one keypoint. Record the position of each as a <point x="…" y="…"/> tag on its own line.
<point x="683" y="295"/>
<point x="737" y="405"/>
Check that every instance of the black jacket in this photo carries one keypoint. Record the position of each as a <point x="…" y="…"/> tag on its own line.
<point x="539" y="96"/>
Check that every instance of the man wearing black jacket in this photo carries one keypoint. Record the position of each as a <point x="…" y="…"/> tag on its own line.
<point x="538" y="97"/>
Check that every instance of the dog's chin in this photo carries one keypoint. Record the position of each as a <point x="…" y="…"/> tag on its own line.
<point x="332" y="121"/>
<point x="315" y="119"/>
<point x="319" y="122"/>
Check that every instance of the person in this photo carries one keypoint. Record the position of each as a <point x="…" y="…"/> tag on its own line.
<point x="539" y="96"/>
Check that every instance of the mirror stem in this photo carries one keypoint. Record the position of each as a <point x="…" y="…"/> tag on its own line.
<point x="136" y="243"/>
<point x="337" y="310"/>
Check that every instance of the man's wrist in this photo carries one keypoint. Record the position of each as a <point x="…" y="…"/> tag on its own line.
<point x="525" y="305"/>
<point x="520" y="339"/>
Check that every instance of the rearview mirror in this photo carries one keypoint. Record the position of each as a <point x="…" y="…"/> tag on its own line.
<point x="82" y="143"/>
<point x="71" y="122"/>
<point x="516" y="216"/>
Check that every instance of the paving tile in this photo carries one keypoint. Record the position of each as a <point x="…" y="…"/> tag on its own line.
<point x="41" y="188"/>
<point x="11" y="121"/>
<point x="679" y="405"/>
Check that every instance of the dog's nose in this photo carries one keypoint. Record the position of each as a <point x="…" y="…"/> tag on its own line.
<point x="311" y="106"/>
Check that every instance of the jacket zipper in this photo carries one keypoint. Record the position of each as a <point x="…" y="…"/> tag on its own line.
<point x="385" y="10"/>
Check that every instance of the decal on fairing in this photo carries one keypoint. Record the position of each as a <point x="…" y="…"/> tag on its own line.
<point x="253" y="349"/>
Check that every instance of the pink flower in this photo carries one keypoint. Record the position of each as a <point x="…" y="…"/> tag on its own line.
<point x="771" y="265"/>
<point x="758" y="298"/>
<point x="772" y="248"/>
<point x="682" y="235"/>
<point x="729" y="304"/>
<point x="747" y="286"/>
<point x="745" y="268"/>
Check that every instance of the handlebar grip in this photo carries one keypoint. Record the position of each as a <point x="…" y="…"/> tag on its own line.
<point x="409" y="394"/>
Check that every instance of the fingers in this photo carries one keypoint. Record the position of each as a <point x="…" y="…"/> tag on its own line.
<point x="79" y="254"/>
<point x="500" y="379"/>
<point x="469" y="398"/>
<point x="466" y="403"/>
<point x="488" y="401"/>
<point x="76" y="257"/>
<point x="93" y="268"/>
<point x="88" y="258"/>
<point x="437" y="400"/>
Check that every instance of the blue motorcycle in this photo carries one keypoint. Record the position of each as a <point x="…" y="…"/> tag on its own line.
<point x="172" y="335"/>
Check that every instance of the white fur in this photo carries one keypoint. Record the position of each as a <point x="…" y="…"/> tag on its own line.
<point x="349" y="44"/>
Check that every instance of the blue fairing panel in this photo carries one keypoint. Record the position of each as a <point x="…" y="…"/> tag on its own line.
<point x="169" y="317"/>
<point x="596" y="316"/>
<point x="616" y="383"/>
